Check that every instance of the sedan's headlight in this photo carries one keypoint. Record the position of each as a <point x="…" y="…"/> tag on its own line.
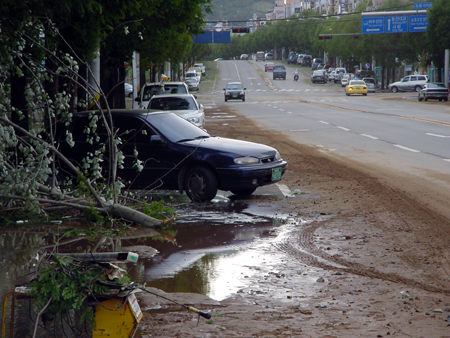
<point x="246" y="160"/>
<point x="278" y="156"/>
<point x="193" y="119"/>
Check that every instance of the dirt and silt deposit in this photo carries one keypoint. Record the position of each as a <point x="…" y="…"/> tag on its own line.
<point x="375" y="263"/>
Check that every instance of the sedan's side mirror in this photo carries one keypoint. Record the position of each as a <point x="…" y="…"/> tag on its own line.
<point x="224" y="89"/>
<point x="245" y="88"/>
<point x="156" y="139"/>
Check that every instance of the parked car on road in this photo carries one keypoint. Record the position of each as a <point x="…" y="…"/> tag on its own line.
<point x="356" y="87"/>
<point x="244" y="57"/>
<point x="292" y="59"/>
<point x="269" y="56"/>
<point x="128" y="90"/>
<point x="433" y="90"/>
<point x="269" y="66"/>
<point x="176" y="155"/>
<point x="184" y="105"/>
<point x="192" y="84"/>
<point x="318" y="76"/>
<point x="194" y="74"/>
<point x="409" y="83"/>
<point x="176" y="88"/>
<point x="371" y="84"/>
<point x="147" y="91"/>
<point x="234" y="91"/>
<point x="202" y="67"/>
<point x="339" y="73"/>
<point x="347" y="78"/>
<point x="316" y="62"/>
<point x="331" y="75"/>
<point x="307" y="60"/>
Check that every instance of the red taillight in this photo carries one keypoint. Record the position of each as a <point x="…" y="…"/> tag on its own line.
<point x="364" y="87"/>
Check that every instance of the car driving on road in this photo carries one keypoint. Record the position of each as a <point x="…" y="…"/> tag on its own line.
<point x="269" y="66"/>
<point x="356" y="87"/>
<point x="433" y="90"/>
<point x="234" y="91"/>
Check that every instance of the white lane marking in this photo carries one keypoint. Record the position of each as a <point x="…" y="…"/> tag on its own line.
<point x="406" y="148"/>
<point x="323" y="122"/>
<point x="447" y="159"/>
<point x="288" y="112"/>
<point x="299" y="130"/>
<point x="436" y="135"/>
<point x="370" y="136"/>
<point x="281" y="109"/>
<point x="343" y="128"/>
<point x="285" y="190"/>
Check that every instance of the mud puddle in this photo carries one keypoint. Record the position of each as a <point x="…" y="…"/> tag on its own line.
<point x="218" y="248"/>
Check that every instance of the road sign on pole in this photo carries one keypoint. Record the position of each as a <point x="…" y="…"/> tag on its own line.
<point x="418" y="23"/>
<point x="372" y="25"/>
<point x="423" y="5"/>
<point x="396" y="24"/>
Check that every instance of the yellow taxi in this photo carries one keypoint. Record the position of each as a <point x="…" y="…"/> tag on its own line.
<point x="356" y="87"/>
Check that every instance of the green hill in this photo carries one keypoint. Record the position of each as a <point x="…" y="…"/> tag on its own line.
<point x="232" y="10"/>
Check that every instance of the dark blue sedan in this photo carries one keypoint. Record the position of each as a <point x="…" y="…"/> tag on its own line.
<point x="161" y="150"/>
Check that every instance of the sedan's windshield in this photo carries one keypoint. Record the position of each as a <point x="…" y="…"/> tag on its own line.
<point x="175" y="128"/>
<point x="172" y="103"/>
<point x="234" y="87"/>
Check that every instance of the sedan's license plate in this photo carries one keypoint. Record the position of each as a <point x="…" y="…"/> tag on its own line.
<point x="276" y="174"/>
<point x="234" y="95"/>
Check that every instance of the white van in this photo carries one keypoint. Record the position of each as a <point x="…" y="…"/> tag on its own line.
<point x="338" y="74"/>
<point x="260" y="56"/>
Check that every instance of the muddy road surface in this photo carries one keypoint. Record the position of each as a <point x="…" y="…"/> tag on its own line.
<point x="374" y="263"/>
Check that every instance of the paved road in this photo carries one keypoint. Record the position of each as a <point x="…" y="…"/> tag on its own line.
<point x="393" y="131"/>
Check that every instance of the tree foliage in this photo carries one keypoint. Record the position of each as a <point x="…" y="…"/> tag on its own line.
<point x="438" y="31"/>
<point x="44" y="69"/>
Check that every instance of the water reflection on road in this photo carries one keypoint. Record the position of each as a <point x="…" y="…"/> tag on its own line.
<point x="217" y="249"/>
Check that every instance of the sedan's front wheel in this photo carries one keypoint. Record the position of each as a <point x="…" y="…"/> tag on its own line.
<point x="394" y="89"/>
<point x="418" y="88"/>
<point x="200" y="184"/>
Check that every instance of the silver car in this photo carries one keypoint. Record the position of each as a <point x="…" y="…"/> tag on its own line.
<point x="184" y="105"/>
<point x="192" y="84"/>
<point x="371" y="84"/>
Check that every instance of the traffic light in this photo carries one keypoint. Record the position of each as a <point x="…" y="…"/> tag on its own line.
<point x="325" y="37"/>
<point x="241" y="30"/>
<point x="357" y="37"/>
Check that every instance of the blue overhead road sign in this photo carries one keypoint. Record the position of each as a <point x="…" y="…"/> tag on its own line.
<point x="213" y="37"/>
<point x="423" y="5"/>
<point x="372" y="25"/>
<point x="396" y="24"/>
<point x="418" y="23"/>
